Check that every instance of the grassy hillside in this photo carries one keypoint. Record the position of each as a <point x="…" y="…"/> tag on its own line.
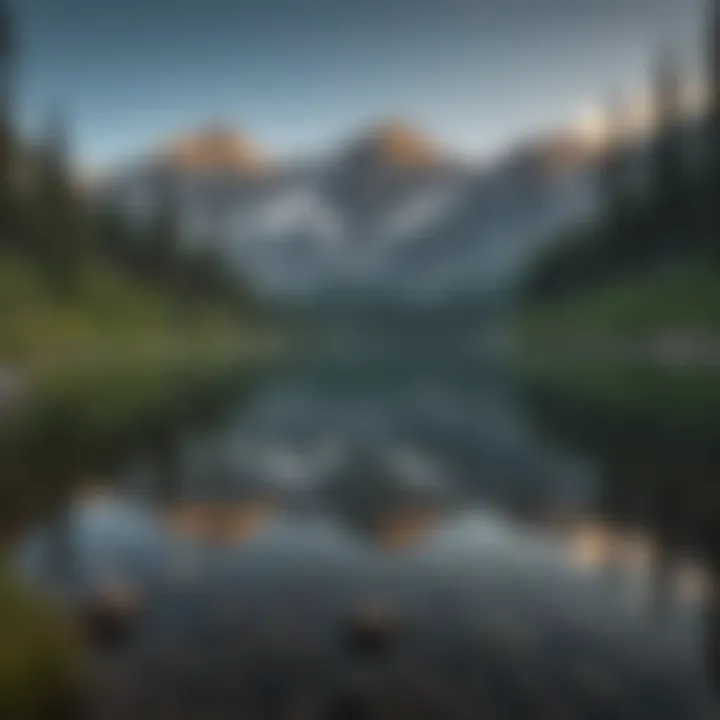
<point x="678" y="301"/>
<point x="40" y="655"/>
<point x="111" y="319"/>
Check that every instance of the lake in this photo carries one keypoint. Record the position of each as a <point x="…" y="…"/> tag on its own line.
<point x="546" y="544"/>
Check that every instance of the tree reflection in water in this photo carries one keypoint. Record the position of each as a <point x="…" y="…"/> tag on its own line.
<point x="653" y="436"/>
<point x="433" y="497"/>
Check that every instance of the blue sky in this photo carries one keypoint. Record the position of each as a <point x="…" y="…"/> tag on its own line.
<point x="302" y="75"/>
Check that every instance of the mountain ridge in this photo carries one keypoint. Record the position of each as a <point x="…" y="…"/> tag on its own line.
<point x="214" y="148"/>
<point x="390" y="212"/>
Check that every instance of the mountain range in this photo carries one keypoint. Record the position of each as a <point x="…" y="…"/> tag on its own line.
<point x="391" y="214"/>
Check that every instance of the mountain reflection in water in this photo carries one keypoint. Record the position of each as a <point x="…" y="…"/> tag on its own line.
<point x="548" y="558"/>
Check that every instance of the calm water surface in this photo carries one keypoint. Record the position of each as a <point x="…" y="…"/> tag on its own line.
<point x="550" y="554"/>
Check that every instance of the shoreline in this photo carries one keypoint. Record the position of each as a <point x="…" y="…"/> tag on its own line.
<point x="676" y="350"/>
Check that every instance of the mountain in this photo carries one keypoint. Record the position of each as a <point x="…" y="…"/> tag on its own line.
<point x="504" y="213"/>
<point x="391" y="214"/>
<point x="215" y="149"/>
<point x="394" y="145"/>
<point x="388" y="175"/>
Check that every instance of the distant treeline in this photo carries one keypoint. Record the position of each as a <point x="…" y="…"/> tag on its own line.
<point x="672" y="214"/>
<point x="49" y="220"/>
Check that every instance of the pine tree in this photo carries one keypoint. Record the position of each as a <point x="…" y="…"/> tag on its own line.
<point x="60" y="230"/>
<point x="122" y="242"/>
<point x="669" y="176"/>
<point x="712" y="215"/>
<point x="8" y="203"/>
<point x="163" y="241"/>
<point x="618" y="248"/>
<point x="113" y="234"/>
<point x="613" y="171"/>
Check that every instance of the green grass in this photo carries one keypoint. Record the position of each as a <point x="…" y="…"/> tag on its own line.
<point x="40" y="654"/>
<point x="112" y="320"/>
<point x="684" y="396"/>
<point x="682" y="300"/>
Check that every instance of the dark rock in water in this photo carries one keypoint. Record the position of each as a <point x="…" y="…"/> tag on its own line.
<point x="110" y="614"/>
<point x="372" y="631"/>
<point x="350" y="706"/>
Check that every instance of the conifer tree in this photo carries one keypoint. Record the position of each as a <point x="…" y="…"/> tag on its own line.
<point x="60" y="228"/>
<point x="618" y="242"/>
<point x="163" y="241"/>
<point x="8" y="204"/>
<point x="669" y="176"/>
<point x="712" y="216"/>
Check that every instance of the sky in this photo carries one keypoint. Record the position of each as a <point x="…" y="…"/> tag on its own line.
<point x="302" y="76"/>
